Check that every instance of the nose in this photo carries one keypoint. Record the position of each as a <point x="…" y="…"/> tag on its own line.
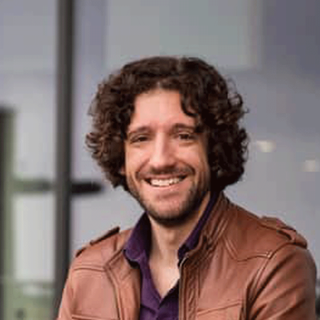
<point x="162" y="154"/>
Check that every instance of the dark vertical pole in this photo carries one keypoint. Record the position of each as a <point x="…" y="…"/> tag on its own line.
<point x="63" y="147"/>
<point x="6" y="191"/>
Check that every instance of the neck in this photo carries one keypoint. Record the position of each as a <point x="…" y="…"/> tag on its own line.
<point x="166" y="240"/>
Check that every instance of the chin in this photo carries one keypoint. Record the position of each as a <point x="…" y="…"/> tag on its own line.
<point x="169" y="220"/>
<point x="171" y="216"/>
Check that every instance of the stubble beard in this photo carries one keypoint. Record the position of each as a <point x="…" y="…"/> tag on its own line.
<point x="178" y="213"/>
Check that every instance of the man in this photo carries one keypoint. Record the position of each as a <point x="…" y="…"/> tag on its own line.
<point x="167" y="130"/>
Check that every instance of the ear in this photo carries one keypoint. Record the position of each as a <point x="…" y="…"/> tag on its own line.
<point x="122" y="171"/>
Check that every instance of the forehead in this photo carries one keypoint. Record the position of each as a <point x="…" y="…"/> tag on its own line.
<point x="159" y="108"/>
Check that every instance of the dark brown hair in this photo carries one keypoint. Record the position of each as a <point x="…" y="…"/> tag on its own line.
<point x="205" y="94"/>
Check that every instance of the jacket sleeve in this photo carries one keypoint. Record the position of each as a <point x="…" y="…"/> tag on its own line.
<point x="64" y="312"/>
<point x="285" y="289"/>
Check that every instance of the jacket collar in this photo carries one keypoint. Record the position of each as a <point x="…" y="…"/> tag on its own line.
<point x="212" y="232"/>
<point x="218" y="220"/>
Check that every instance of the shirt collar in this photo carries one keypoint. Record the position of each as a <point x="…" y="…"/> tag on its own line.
<point x="139" y="240"/>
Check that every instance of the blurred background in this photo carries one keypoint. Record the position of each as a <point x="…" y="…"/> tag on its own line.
<point x="53" y="53"/>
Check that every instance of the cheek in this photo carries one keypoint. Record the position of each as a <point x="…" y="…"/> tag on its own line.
<point x="134" y="160"/>
<point x="200" y="151"/>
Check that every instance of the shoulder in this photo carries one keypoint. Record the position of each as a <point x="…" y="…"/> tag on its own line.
<point x="281" y="271"/>
<point x="101" y="250"/>
<point x="251" y="236"/>
<point x="87" y="275"/>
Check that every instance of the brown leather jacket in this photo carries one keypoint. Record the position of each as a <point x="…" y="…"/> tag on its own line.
<point x="243" y="267"/>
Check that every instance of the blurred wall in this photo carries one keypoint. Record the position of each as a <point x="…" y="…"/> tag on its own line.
<point x="27" y="89"/>
<point x="27" y="85"/>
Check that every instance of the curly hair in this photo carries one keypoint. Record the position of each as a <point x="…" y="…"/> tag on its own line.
<point x="205" y="95"/>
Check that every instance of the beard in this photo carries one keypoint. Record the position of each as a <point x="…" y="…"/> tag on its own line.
<point x="177" y="211"/>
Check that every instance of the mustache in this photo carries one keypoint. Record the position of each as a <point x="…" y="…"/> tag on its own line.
<point x="175" y="171"/>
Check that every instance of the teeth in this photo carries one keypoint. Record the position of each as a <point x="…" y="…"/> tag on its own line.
<point x="164" y="182"/>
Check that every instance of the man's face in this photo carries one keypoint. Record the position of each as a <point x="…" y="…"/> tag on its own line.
<point x="166" y="164"/>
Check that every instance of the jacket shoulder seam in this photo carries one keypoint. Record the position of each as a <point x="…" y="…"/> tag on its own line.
<point x="279" y="231"/>
<point x="93" y="242"/>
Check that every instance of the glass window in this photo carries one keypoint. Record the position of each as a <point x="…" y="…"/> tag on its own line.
<point x="27" y="158"/>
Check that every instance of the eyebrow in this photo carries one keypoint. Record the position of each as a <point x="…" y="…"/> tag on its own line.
<point x="175" y="127"/>
<point x="182" y="126"/>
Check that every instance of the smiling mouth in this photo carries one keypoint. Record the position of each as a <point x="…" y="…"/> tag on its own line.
<point x="164" y="182"/>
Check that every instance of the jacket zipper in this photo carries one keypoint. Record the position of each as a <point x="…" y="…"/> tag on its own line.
<point x="181" y="312"/>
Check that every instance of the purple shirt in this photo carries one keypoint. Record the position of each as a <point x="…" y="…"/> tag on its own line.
<point x="137" y="251"/>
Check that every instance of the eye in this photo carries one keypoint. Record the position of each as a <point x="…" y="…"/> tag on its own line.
<point x="186" y="136"/>
<point x="139" y="139"/>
